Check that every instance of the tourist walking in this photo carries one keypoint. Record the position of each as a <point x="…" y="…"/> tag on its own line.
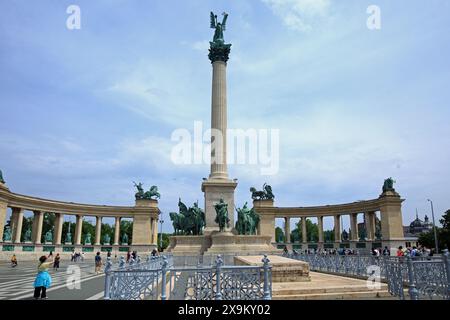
<point x="386" y="252"/>
<point x="400" y="252"/>
<point x="43" y="279"/>
<point x="98" y="263"/>
<point x="56" y="262"/>
<point x="13" y="261"/>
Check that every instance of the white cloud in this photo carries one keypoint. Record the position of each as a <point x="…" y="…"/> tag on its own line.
<point x="299" y="14"/>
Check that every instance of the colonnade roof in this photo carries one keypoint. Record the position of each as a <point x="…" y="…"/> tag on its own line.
<point x="329" y="210"/>
<point x="25" y="202"/>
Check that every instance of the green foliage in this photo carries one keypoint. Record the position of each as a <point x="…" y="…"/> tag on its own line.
<point x="279" y="235"/>
<point x="427" y="239"/>
<point x="26" y="224"/>
<point x="165" y="240"/>
<point x="48" y="224"/>
<point x="445" y="233"/>
<point x="312" y="230"/>
<point x="126" y="227"/>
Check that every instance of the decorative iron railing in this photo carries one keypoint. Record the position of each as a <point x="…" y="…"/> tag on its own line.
<point x="424" y="277"/>
<point x="213" y="282"/>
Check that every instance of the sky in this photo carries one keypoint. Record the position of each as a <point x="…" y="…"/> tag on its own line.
<point x="85" y="112"/>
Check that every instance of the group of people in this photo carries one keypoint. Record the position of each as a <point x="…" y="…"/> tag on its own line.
<point x="415" y="251"/>
<point x="77" y="256"/>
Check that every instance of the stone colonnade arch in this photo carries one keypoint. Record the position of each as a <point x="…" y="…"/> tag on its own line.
<point x="388" y="204"/>
<point x="145" y="215"/>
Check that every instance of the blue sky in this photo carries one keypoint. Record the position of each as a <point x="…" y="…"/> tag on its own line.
<point x="85" y="112"/>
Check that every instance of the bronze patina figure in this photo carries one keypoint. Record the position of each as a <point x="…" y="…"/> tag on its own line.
<point x="222" y="215"/>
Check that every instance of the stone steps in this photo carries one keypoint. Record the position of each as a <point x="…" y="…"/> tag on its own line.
<point x="350" y="295"/>
<point x="337" y="289"/>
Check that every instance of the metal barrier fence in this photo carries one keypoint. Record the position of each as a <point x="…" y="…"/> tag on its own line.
<point x="424" y="277"/>
<point x="160" y="279"/>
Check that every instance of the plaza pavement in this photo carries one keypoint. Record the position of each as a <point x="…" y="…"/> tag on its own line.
<point x="17" y="283"/>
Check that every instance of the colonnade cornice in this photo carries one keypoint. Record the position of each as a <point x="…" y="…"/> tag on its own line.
<point x="15" y="200"/>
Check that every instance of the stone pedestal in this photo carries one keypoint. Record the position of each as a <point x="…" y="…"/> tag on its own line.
<point x="283" y="269"/>
<point x="220" y="243"/>
<point x="216" y="189"/>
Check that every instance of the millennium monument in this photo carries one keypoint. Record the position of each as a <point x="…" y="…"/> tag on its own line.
<point x="197" y="232"/>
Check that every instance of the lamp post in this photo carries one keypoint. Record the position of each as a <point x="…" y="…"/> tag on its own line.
<point x="160" y="235"/>
<point x="434" y="228"/>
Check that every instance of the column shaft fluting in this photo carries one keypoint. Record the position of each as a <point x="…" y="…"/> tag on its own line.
<point x="117" y="231"/>
<point x="37" y="226"/>
<point x="304" y="232"/>
<point x="337" y="228"/>
<point x="287" y="229"/>
<point x="17" y="220"/>
<point x="78" y="229"/>
<point x="59" y="222"/>
<point x="320" y="227"/>
<point x="219" y="122"/>
<point x="98" y="230"/>
<point x="354" y="226"/>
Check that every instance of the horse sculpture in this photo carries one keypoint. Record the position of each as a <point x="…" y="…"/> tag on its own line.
<point x="248" y="221"/>
<point x="189" y="221"/>
<point x="141" y="195"/>
<point x="266" y="194"/>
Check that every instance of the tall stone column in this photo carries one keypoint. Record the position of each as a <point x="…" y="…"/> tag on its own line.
<point x="218" y="186"/>
<point x="219" y="121"/>
<point x="287" y="229"/>
<point x="98" y="230"/>
<point x="117" y="231"/>
<point x="17" y="220"/>
<point x="337" y="228"/>
<point x="304" y="232"/>
<point x="3" y="211"/>
<point x="369" y="226"/>
<point x="320" y="227"/>
<point x="59" y="222"/>
<point x="78" y="229"/>
<point x="37" y="227"/>
<point x="354" y="227"/>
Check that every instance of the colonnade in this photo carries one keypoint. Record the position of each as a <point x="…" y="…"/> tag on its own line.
<point x="144" y="214"/>
<point x="388" y="204"/>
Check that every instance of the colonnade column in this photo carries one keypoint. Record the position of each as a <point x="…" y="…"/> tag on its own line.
<point x="304" y="232"/>
<point x="337" y="228"/>
<point x="354" y="227"/>
<point x="37" y="227"/>
<point x="59" y="221"/>
<point x="98" y="230"/>
<point x="368" y="225"/>
<point x="287" y="230"/>
<point x="320" y="227"/>
<point x="3" y="211"/>
<point x="78" y="229"/>
<point x="117" y="231"/>
<point x="16" y="221"/>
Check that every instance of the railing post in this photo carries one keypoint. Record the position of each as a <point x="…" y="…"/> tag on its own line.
<point x="447" y="270"/>
<point x="413" y="293"/>
<point x="107" y="279"/>
<point x="267" y="289"/>
<point x="219" y="263"/>
<point x="163" y="278"/>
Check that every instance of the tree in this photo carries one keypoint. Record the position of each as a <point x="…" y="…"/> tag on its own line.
<point x="279" y="235"/>
<point x="165" y="240"/>
<point x="126" y="227"/>
<point x="312" y="230"/>
<point x="427" y="239"/>
<point x="48" y="224"/>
